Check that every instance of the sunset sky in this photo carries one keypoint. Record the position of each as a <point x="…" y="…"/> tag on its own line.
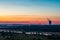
<point x="29" y="11"/>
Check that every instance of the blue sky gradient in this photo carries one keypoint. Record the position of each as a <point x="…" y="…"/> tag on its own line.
<point x="31" y="7"/>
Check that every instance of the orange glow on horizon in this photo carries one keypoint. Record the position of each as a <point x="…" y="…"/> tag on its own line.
<point x="28" y="19"/>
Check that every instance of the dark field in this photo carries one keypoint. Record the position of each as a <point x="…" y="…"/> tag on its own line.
<point x="29" y="28"/>
<point x="14" y="36"/>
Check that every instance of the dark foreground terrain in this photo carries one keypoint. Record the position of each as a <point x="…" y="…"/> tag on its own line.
<point x="23" y="36"/>
<point x="31" y="27"/>
<point x="7" y="34"/>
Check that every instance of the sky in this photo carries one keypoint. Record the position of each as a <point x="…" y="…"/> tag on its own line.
<point x="30" y="11"/>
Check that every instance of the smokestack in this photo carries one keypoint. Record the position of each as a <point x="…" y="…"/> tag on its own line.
<point x="49" y="22"/>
